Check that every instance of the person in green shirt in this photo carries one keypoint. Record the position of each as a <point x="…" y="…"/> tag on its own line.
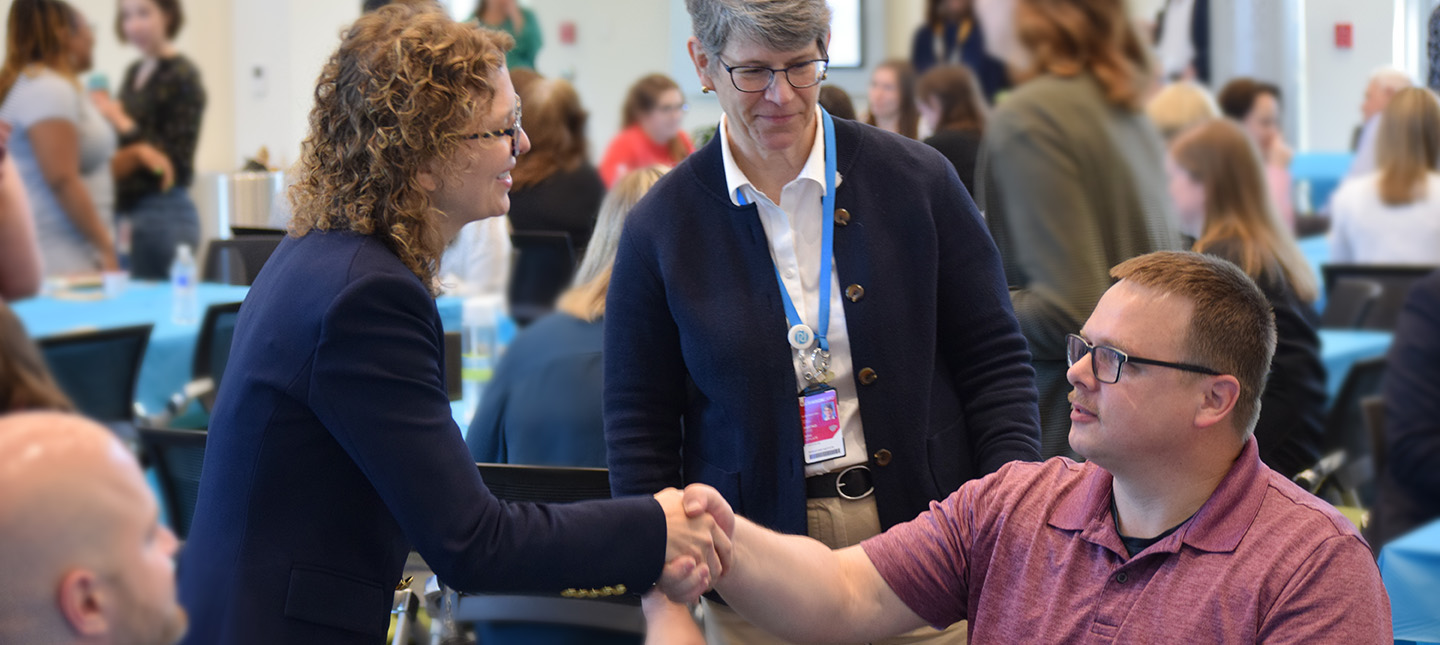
<point x="508" y="16"/>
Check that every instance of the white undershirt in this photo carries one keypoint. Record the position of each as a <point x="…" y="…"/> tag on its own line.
<point x="1176" y="50"/>
<point x="793" y="231"/>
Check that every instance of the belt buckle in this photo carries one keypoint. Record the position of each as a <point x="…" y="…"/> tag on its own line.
<point x="840" y="483"/>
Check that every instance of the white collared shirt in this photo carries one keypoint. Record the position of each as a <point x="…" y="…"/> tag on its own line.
<point x="1176" y="50"/>
<point x="793" y="231"/>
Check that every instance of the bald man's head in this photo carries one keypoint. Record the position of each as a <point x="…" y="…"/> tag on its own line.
<point x="84" y="551"/>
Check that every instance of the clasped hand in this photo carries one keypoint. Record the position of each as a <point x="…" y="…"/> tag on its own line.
<point x="698" y="527"/>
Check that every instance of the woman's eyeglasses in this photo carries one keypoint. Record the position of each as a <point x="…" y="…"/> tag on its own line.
<point x="513" y="132"/>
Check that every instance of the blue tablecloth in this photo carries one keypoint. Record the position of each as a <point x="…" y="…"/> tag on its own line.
<point x="1340" y="348"/>
<point x="169" y="356"/>
<point x="1322" y="172"/>
<point x="1410" y="567"/>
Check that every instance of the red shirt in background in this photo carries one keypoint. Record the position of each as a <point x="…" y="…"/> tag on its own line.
<point x="1030" y="554"/>
<point x="632" y="149"/>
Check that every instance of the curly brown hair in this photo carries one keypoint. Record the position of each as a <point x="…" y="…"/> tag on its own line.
<point x="396" y="98"/>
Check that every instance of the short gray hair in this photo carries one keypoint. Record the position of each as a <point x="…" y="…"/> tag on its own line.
<point x="1390" y="79"/>
<point x="785" y="25"/>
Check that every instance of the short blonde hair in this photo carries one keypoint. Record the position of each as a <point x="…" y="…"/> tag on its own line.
<point x="586" y="300"/>
<point x="1180" y="105"/>
<point x="401" y="93"/>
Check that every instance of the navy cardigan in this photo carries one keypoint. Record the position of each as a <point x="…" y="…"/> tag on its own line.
<point x="699" y="383"/>
<point x="332" y="452"/>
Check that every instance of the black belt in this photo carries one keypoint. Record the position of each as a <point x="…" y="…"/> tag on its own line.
<point x="851" y="483"/>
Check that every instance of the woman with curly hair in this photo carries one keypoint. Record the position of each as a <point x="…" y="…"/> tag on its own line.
<point x="332" y="451"/>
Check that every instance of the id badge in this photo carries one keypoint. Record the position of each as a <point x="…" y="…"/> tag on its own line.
<point x="820" y="418"/>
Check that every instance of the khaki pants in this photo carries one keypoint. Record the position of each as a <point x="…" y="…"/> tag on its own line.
<point x="838" y="523"/>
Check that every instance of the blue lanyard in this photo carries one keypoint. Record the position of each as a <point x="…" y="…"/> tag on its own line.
<point x="827" y="241"/>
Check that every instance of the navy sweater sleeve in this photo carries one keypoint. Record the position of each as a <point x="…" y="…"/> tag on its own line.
<point x="1412" y="394"/>
<point x="376" y="387"/>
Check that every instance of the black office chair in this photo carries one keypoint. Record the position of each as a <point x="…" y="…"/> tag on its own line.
<point x="98" y="370"/>
<point x="1395" y="281"/>
<point x="212" y="354"/>
<point x="1349" y="302"/>
<point x="238" y="260"/>
<point x="543" y="484"/>
<point x="1352" y="482"/>
<point x="250" y="231"/>
<point x="544" y="266"/>
<point x="454" y="387"/>
<point x="177" y="457"/>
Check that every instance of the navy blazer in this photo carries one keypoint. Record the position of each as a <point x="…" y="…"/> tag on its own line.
<point x="1408" y="487"/>
<point x="332" y="452"/>
<point x="695" y="333"/>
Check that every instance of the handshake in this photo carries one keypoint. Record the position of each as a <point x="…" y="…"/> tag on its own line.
<point x="699" y="525"/>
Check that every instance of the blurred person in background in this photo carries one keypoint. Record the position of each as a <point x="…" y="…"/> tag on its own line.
<point x="61" y="145"/>
<point x="20" y="266"/>
<point x="1079" y="172"/>
<point x="332" y="450"/>
<point x="837" y="102"/>
<point x="892" y="99"/>
<point x="556" y="189"/>
<point x="25" y="380"/>
<point x="1383" y="85"/>
<point x="1182" y="40"/>
<point x="951" y="107"/>
<point x="1255" y="105"/>
<point x="1179" y="106"/>
<point x="1392" y="216"/>
<point x="1408" y="484"/>
<point x="798" y="256"/>
<point x="951" y="36"/>
<point x="1218" y="186"/>
<point x="86" y="559"/>
<point x="508" y="16"/>
<point x="160" y="107"/>
<point x="650" y="131"/>
<point x="522" y="420"/>
<point x="478" y="261"/>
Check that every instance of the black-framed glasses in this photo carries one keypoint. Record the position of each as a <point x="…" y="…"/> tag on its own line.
<point x="1106" y="361"/>
<point x="750" y="79"/>
<point x="513" y="132"/>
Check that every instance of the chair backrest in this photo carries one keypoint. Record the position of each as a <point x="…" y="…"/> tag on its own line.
<point x="1394" y="280"/>
<point x="1349" y="302"/>
<point x="98" y="369"/>
<point x="454" y="386"/>
<point x="177" y="456"/>
<point x="548" y="484"/>
<point x="545" y="484"/>
<point x="238" y="260"/>
<point x="248" y="231"/>
<point x="544" y="266"/>
<point x="1345" y="427"/>
<point x="212" y="350"/>
<point x="1373" y="410"/>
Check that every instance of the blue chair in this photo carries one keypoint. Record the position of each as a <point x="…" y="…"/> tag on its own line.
<point x="98" y="370"/>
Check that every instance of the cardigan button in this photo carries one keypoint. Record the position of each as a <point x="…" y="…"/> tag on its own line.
<point x="868" y="376"/>
<point x="842" y="217"/>
<point x="882" y="457"/>
<point x="854" y="292"/>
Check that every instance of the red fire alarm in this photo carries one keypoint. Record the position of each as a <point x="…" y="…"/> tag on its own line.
<point x="567" y="33"/>
<point x="1344" y="35"/>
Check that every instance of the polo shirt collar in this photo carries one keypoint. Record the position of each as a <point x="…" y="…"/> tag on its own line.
<point x="1218" y="526"/>
<point x="735" y="179"/>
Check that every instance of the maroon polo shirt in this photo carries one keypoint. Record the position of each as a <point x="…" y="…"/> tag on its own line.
<point x="1030" y="554"/>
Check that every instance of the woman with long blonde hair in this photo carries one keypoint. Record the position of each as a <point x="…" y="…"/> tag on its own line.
<point x="1392" y="216"/>
<point x="332" y="452"/>
<point x="1071" y="176"/>
<point x="1218" y="184"/>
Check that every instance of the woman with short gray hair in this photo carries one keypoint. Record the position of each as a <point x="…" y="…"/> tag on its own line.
<point x="808" y="313"/>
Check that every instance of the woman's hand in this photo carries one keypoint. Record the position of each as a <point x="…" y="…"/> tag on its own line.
<point x="668" y="622"/>
<point x="112" y="111"/>
<point x="157" y="162"/>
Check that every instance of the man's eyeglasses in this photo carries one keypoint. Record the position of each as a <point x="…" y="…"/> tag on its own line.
<point x="758" y="79"/>
<point x="513" y="132"/>
<point x="1105" y="361"/>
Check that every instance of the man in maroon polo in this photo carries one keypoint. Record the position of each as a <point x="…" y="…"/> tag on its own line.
<point x="1172" y="531"/>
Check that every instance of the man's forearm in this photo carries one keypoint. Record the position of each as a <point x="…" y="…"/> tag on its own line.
<point x="800" y="590"/>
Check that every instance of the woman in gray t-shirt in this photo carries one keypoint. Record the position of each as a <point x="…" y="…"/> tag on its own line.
<point x="61" y="144"/>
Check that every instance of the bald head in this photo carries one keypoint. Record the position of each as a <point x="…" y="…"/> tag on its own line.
<point x="79" y="525"/>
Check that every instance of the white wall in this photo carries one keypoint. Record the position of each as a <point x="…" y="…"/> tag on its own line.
<point x="1335" y="78"/>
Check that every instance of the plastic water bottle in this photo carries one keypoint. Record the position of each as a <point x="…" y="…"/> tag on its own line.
<point x="478" y="348"/>
<point x="185" y="302"/>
